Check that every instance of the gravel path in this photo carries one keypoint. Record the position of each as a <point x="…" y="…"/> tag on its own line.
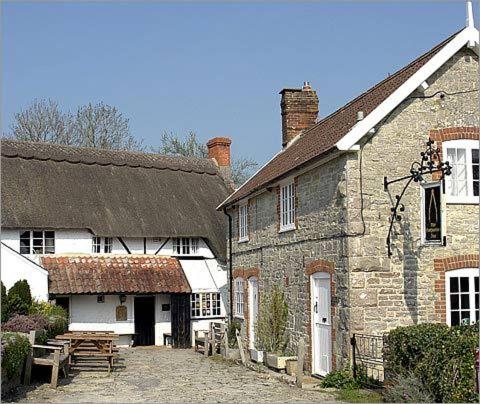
<point x="162" y="374"/>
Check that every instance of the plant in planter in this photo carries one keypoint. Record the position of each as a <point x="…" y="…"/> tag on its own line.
<point x="232" y="351"/>
<point x="271" y="328"/>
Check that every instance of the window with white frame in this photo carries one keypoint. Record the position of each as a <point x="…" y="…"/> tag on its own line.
<point x="185" y="246"/>
<point x="431" y="210"/>
<point x="239" y="297"/>
<point x="102" y="244"/>
<point x="287" y="206"/>
<point x="205" y="305"/>
<point x="462" y="296"/>
<point x="462" y="186"/>
<point x="243" y="222"/>
<point x="37" y="242"/>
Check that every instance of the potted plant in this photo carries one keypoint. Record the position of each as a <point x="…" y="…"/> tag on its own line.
<point x="271" y="327"/>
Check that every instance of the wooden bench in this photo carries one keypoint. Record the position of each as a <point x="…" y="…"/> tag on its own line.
<point x="58" y="360"/>
<point x="212" y="338"/>
<point x="200" y="341"/>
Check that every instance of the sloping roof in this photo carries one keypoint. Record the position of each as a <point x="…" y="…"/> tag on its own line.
<point x="85" y="274"/>
<point x="323" y="137"/>
<point x="112" y="193"/>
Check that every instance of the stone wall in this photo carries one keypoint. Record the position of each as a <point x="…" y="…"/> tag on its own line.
<point x="388" y="292"/>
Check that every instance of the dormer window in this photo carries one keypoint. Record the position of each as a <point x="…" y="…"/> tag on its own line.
<point x="37" y="242"/>
<point x="185" y="246"/>
<point x="102" y="245"/>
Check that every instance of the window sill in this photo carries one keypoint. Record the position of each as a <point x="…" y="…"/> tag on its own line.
<point x="207" y="317"/>
<point x="287" y="228"/>
<point x="243" y="240"/>
<point x="473" y="200"/>
<point x="432" y="243"/>
<point x="239" y="316"/>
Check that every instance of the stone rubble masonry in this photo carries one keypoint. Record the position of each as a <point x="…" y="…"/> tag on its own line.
<point x="299" y="111"/>
<point x="343" y="218"/>
<point x="444" y="265"/>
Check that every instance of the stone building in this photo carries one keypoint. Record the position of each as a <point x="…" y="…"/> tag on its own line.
<point x="315" y="218"/>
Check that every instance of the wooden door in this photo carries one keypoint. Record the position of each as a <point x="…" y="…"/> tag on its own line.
<point x="181" y="332"/>
<point x="144" y="320"/>
<point x="321" y="323"/>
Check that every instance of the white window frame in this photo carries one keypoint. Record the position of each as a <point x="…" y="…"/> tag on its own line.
<point x="243" y="222"/>
<point x="239" y="297"/>
<point x="32" y="238"/>
<point x="183" y="246"/>
<point x="198" y="303"/>
<point x="470" y="273"/>
<point x="104" y="245"/>
<point x="468" y="145"/>
<point x="287" y="206"/>
<point x="422" y="213"/>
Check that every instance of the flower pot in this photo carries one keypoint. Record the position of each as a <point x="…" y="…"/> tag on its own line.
<point x="278" y="362"/>
<point x="291" y="367"/>
<point x="256" y="356"/>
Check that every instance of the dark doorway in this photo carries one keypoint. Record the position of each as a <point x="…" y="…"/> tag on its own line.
<point x="181" y="334"/>
<point x="144" y="320"/>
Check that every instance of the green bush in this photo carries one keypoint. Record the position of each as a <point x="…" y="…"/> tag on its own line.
<point x="441" y="357"/>
<point x="19" y="298"/>
<point x="15" y="348"/>
<point x="407" y="389"/>
<point x="271" y="326"/>
<point x="56" y="316"/>
<point x="340" y="379"/>
<point x="4" y="303"/>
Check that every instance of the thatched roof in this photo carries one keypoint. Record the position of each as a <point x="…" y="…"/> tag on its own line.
<point x="111" y="193"/>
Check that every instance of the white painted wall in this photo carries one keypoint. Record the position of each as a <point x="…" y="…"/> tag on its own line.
<point x="162" y="318"/>
<point x="15" y="267"/>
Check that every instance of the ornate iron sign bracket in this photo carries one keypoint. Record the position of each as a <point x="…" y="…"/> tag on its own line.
<point x="430" y="163"/>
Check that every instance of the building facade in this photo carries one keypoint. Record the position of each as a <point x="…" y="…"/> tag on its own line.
<point x="314" y="220"/>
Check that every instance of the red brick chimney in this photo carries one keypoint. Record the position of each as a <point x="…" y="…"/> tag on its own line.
<point x="219" y="150"/>
<point x="299" y="111"/>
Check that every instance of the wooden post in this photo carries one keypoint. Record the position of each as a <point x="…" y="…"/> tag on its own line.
<point x="55" y="368"/>
<point x="206" y="346"/>
<point x="225" y="341"/>
<point x="300" y="358"/>
<point x="240" y="347"/>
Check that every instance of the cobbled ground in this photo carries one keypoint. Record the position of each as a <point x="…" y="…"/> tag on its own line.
<point x="168" y="375"/>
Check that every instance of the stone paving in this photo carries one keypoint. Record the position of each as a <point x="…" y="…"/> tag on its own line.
<point x="162" y="374"/>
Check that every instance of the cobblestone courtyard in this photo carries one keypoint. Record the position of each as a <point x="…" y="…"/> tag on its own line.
<point x="156" y="374"/>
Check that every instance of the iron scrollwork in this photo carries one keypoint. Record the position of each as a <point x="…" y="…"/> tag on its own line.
<point x="430" y="163"/>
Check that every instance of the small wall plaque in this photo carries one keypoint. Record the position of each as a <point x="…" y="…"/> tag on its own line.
<point x="165" y="307"/>
<point x="121" y="313"/>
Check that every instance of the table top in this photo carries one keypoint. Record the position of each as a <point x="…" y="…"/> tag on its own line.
<point x="88" y="336"/>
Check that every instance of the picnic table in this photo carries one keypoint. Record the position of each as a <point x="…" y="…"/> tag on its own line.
<point x="88" y="344"/>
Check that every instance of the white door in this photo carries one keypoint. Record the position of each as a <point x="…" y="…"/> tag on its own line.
<point x="321" y="323"/>
<point x="252" y="308"/>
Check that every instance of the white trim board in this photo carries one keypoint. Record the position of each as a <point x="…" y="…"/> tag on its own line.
<point x="467" y="37"/>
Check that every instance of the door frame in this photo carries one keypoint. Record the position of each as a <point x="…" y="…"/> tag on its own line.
<point x="320" y="275"/>
<point x="251" y="326"/>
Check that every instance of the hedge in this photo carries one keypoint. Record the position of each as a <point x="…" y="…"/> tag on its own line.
<point x="441" y="357"/>
<point x="15" y="348"/>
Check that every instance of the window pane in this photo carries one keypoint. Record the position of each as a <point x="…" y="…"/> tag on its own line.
<point x="465" y="317"/>
<point x="464" y="284"/>
<point x="465" y="301"/>
<point x="49" y="250"/>
<point x="475" y="188"/>
<point x="475" y="156"/>
<point x="49" y="234"/>
<point x="476" y="284"/>
<point x="25" y="243"/>
<point x="38" y="234"/>
<point x="453" y="284"/>
<point x="455" y="318"/>
<point x="454" y="302"/>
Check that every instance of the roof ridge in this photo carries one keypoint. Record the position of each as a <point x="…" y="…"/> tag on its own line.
<point x="93" y="156"/>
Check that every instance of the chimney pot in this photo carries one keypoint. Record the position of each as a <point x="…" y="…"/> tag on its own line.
<point x="219" y="150"/>
<point x="299" y="111"/>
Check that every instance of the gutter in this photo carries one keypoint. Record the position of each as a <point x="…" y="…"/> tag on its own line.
<point x="230" y="263"/>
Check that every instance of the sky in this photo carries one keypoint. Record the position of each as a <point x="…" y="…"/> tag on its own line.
<point x="214" y="68"/>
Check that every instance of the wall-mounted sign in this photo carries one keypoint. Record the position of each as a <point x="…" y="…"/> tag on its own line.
<point x="432" y="213"/>
<point x="121" y="313"/>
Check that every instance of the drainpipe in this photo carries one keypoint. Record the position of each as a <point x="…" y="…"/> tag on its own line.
<point x="230" y="263"/>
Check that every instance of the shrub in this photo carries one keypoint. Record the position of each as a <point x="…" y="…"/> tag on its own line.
<point x="340" y="379"/>
<point x="271" y="327"/>
<point x="56" y="315"/>
<point x="407" y="389"/>
<point x="15" y="349"/>
<point x="25" y="324"/>
<point x="19" y="298"/>
<point x="4" y="303"/>
<point x="441" y="357"/>
<point x="232" y="333"/>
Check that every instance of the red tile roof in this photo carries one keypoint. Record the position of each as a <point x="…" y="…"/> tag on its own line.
<point x="84" y="274"/>
<point x="323" y="137"/>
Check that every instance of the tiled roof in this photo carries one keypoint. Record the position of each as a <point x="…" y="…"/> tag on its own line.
<point x="82" y="274"/>
<point x="322" y="137"/>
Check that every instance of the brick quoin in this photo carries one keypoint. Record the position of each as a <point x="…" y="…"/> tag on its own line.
<point x="310" y="269"/>
<point x="443" y="265"/>
<point x="245" y="274"/>
<point x="453" y="133"/>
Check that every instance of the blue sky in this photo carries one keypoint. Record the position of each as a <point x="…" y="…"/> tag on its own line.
<point x="212" y="68"/>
